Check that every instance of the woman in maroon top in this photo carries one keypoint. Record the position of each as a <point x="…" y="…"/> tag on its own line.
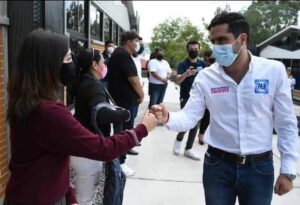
<point x="43" y="131"/>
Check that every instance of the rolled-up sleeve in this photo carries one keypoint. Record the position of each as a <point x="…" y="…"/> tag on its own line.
<point x="192" y="112"/>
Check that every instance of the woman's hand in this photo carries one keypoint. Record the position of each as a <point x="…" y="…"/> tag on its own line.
<point x="149" y="121"/>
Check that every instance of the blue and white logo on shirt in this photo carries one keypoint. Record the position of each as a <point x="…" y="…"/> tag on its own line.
<point x="261" y="86"/>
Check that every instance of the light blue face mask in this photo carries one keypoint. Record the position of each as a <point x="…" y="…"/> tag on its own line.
<point x="224" y="54"/>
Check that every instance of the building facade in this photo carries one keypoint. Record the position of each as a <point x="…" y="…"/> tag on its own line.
<point x="285" y="47"/>
<point x="86" y="23"/>
<point x="4" y="23"/>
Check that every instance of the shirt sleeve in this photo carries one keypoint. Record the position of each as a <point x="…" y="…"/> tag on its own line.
<point x="152" y="66"/>
<point x="128" y="67"/>
<point x="192" y="112"/>
<point x="180" y="69"/>
<point x="65" y="135"/>
<point x="285" y="123"/>
<point x="169" y="68"/>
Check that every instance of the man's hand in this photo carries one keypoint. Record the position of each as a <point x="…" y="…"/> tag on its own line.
<point x="189" y="72"/>
<point x="283" y="185"/>
<point x="160" y="112"/>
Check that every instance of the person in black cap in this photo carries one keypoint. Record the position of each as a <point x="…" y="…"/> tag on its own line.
<point x="123" y="82"/>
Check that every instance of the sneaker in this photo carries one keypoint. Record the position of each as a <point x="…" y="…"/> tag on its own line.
<point x="191" y="154"/>
<point x="132" y="152"/>
<point x="127" y="170"/>
<point x="176" y="148"/>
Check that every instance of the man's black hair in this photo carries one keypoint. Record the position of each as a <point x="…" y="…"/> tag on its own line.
<point x="108" y="42"/>
<point x="192" y="43"/>
<point x="128" y="35"/>
<point x="237" y="23"/>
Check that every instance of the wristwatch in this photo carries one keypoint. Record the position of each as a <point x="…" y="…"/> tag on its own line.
<point x="291" y="177"/>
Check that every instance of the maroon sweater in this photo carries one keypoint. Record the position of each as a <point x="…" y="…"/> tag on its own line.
<point x="40" y="154"/>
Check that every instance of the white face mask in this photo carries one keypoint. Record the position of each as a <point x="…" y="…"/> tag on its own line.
<point x="110" y="50"/>
<point x="137" y="47"/>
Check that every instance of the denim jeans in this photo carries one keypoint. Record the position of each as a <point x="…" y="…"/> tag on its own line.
<point x="129" y="125"/>
<point x="224" y="181"/>
<point x="157" y="93"/>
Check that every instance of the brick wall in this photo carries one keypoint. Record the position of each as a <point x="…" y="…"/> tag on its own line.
<point x="3" y="146"/>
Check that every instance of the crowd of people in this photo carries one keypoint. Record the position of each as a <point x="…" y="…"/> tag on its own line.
<point x="233" y="97"/>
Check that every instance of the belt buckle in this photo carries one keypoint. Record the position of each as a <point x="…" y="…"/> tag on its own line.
<point x="242" y="159"/>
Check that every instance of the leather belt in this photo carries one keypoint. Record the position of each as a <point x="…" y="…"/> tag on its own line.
<point x="239" y="159"/>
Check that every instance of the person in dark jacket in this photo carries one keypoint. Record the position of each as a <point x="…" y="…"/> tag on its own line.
<point x="90" y="93"/>
<point x="43" y="131"/>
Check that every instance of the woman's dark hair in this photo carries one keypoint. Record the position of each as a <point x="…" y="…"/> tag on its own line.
<point x="86" y="57"/>
<point x="237" y="23"/>
<point x="36" y="75"/>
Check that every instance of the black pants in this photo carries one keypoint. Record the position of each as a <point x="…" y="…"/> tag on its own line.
<point x="192" y="132"/>
<point x="204" y="122"/>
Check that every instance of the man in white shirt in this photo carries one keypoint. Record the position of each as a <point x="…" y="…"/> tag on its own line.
<point x="246" y="96"/>
<point x="160" y="73"/>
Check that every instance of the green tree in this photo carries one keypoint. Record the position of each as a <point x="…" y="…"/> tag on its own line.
<point x="266" y="18"/>
<point x="172" y="36"/>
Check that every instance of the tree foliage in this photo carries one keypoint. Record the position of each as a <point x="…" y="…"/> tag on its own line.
<point x="172" y="36"/>
<point x="266" y="18"/>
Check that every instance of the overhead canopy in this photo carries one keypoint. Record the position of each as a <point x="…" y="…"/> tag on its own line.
<point x="283" y="45"/>
<point x="278" y="53"/>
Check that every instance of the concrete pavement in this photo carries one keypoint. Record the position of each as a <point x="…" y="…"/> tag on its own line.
<point x="164" y="179"/>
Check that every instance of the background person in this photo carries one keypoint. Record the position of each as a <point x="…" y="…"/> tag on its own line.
<point x="160" y="73"/>
<point x="90" y="93"/>
<point x="108" y="50"/>
<point x="186" y="72"/>
<point x="124" y="84"/>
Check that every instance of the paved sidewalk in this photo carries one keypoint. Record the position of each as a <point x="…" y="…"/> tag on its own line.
<point x="164" y="179"/>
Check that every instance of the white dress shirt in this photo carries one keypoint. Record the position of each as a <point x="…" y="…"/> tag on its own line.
<point x="242" y="115"/>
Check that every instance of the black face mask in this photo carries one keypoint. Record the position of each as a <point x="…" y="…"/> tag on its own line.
<point x="68" y="73"/>
<point x="141" y="49"/>
<point x="159" y="56"/>
<point x="193" y="54"/>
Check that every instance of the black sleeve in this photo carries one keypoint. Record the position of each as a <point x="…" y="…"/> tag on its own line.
<point x="96" y="95"/>
<point x="128" y="67"/>
<point x="106" y="115"/>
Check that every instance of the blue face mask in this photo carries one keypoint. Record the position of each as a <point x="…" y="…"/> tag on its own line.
<point x="224" y="54"/>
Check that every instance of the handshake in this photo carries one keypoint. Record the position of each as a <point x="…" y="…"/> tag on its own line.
<point x="156" y="115"/>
